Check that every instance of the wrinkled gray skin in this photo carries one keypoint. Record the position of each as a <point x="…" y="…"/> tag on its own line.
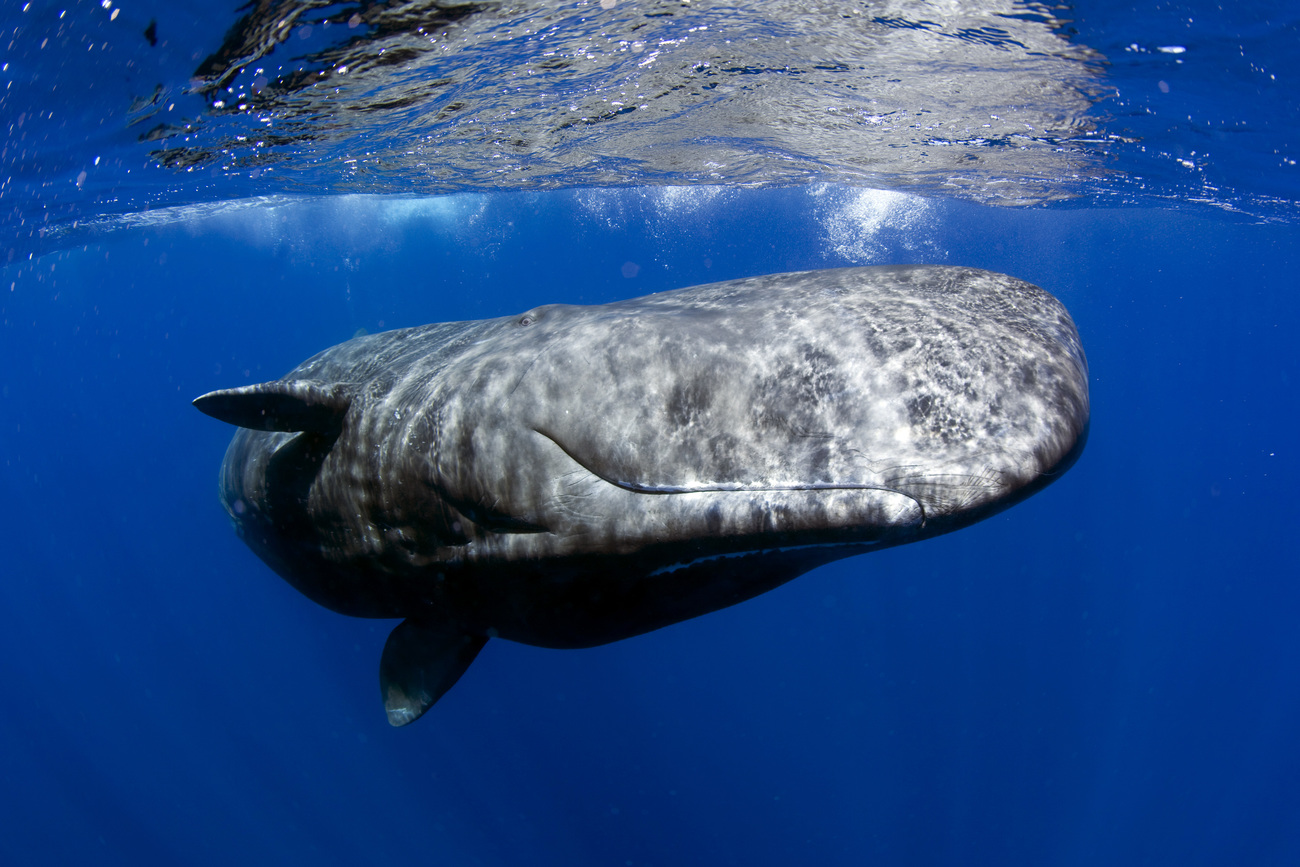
<point x="575" y="475"/>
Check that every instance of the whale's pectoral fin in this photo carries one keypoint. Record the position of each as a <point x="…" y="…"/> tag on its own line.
<point x="421" y="661"/>
<point x="289" y="406"/>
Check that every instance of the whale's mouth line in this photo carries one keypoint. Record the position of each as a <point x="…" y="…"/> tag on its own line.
<point x="729" y="487"/>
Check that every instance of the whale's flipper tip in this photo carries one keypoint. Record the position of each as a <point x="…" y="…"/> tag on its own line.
<point x="279" y="406"/>
<point x="421" y="662"/>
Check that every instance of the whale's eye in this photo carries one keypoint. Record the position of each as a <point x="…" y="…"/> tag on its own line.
<point x="527" y="319"/>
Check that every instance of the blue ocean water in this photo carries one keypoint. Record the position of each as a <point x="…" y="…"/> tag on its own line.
<point x="1107" y="673"/>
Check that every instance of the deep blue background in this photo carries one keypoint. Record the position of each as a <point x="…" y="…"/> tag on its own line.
<point x="1107" y="673"/>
